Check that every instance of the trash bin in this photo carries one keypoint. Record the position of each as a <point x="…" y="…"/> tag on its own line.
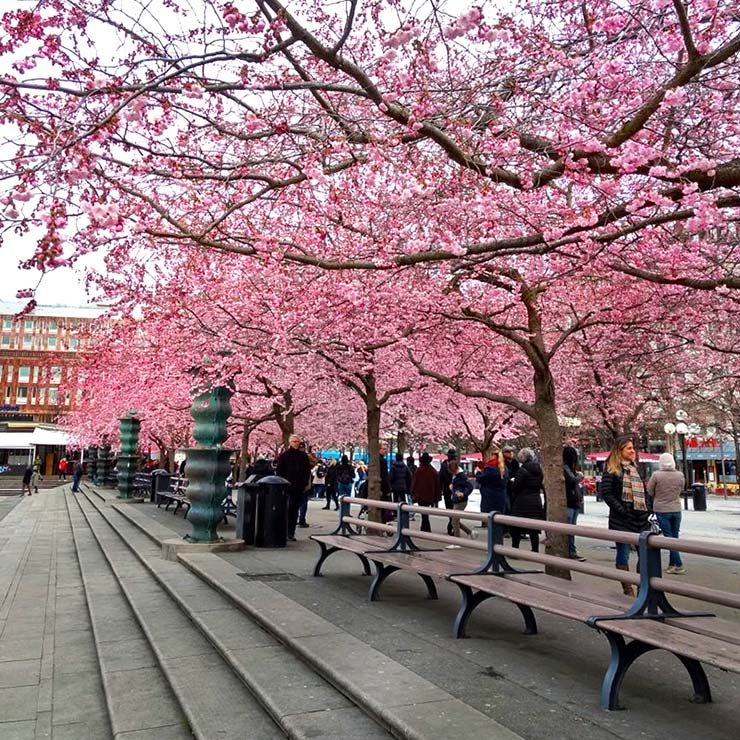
<point x="699" y="491"/>
<point x="272" y="512"/>
<point x="161" y="481"/>
<point x="246" y="509"/>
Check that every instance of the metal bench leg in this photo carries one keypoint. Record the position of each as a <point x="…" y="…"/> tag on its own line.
<point x="530" y="623"/>
<point x="381" y="573"/>
<point x="431" y="587"/>
<point x="365" y="564"/>
<point x="325" y="552"/>
<point x="469" y="603"/>
<point x="625" y="654"/>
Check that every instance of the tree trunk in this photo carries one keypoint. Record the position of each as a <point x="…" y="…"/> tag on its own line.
<point x="244" y="453"/>
<point x="552" y="464"/>
<point x="373" y="412"/>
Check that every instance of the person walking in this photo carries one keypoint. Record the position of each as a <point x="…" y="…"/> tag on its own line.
<point x="425" y="488"/>
<point x="461" y="489"/>
<point x="492" y="483"/>
<point x="445" y="481"/>
<point x="294" y="465"/>
<point x="76" y="476"/>
<point x="411" y="465"/>
<point x="26" y="487"/>
<point x="62" y="467"/>
<point x="319" y="480"/>
<point x="624" y="492"/>
<point x="303" y="506"/>
<point x="331" y="485"/>
<point x="526" y="497"/>
<point x="664" y="488"/>
<point x="573" y="495"/>
<point x="400" y="479"/>
<point x="345" y="477"/>
<point x="35" y="478"/>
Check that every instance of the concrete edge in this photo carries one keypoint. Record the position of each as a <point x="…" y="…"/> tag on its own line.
<point x="155" y="531"/>
<point x="389" y="717"/>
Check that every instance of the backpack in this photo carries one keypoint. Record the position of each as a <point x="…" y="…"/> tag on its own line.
<point x="346" y="475"/>
<point x="321" y="471"/>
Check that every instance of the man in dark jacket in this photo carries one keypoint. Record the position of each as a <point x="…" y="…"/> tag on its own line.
<point x="385" y="483"/>
<point x="295" y="467"/>
<point x="573" y="494"/>
<point x="445" y="481"/>
<point x="425" y="489"/>
<point x="400" y="479"/>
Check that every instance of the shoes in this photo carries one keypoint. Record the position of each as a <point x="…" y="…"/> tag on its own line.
<point x="291" y="538"/>
<point x="324" y="508"/>
<point x="303" y="525"/>
<point x="577" y="556"/>
<point x="676" y="570"/>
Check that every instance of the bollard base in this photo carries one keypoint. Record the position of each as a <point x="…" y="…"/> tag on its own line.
<point x="171" y="548"/>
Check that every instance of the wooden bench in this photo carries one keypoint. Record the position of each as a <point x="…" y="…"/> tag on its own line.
<point x="142" y="485"/>
<point x="176" y="495"/>
<point x="633" y="626"/>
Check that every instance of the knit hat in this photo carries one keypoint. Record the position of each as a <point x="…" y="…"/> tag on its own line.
<point x="425" y="458"/>
<point x="666" y="461"/>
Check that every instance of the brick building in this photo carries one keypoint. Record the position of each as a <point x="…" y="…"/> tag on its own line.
<point x="37" y="354"/>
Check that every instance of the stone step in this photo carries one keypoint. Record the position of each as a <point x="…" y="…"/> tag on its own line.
<point x="216" y="704"/>
<point x="303" y="703"/>
<point x="137" y="693"/>
<point x="394" y="696"/>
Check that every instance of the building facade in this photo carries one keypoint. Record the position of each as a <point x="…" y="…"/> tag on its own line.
<point x="38" y="352"/>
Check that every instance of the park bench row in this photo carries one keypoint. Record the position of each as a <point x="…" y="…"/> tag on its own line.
<point x="481" y="570"/>
<point x="177" y="495"/>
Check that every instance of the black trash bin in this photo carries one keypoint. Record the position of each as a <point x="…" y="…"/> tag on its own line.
<point x="272" y="512"/>
<point x="161" y="481"/>
<point x="699" y="491"/>
<point x="246" y="509"/>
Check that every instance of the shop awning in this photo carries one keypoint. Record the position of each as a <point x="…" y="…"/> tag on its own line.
<point x="51" y="437"/>
<point x="16" y="440"/>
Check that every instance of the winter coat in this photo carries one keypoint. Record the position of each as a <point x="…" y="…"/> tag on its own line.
<point x="345" y="473"/>
<point x="525" y="491"/>
<point x="461" y="488"/>
<point x="295" y="467"/>
<point x="492" y="489"/>
<point x="331" y="477"/>
<point x="623" y="516"/>
<point x="445" y="478"/>
<point x="665" y="488"/>
<point x="385" y="484"/>
<point x="425" y="489"/>
<point x="573" y="490"/>
<point x="400" y="477"/>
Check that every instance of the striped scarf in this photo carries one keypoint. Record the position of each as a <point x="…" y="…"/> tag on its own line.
<point x="633" y="488"/>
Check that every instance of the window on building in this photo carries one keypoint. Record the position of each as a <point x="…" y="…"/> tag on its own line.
<point x="42" y="395"/>
<point x="9" y="372"/>
<point x="8" y="391"/>
<point x="36" y="375"/>
<point x="24" y="374"/>
<point x="56" y="374"/>
<point x="33" y="394"/>
<point x="74" y="344"/>
<point x="52" y="342"/>
<point x="53" y="395"/>
<point x="26" y="340"/>
<point x="6" y="340"/>
<point x="22" y="395"/>
<point x="66" y="398"/>
<point x="7" y="323"/>
<point x="28" y="324"/>
<point x="53" y="326"/>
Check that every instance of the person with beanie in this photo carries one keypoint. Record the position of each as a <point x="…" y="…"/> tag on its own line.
<point x="425" y="488"/>
<point x="665" y="487"/>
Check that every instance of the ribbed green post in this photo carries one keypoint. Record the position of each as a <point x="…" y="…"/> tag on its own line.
<point x="208" y="463"/>
<point x="128" y="460"/>
<point x="92" y="464"/>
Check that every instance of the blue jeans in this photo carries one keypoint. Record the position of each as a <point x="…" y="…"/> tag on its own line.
<point x="344" y="489"/>
<point x="670" y="523"/>
<point x="572" y="519"/>
<point x="76" y="482"/>
<point x="623" y="553"/>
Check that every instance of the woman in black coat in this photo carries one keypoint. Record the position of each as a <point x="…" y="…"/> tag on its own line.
<point x="526" y="497"/>
<point x="626" y="496"/>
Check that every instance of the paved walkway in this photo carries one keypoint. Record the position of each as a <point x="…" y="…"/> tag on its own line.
<point x="49" y="678"/>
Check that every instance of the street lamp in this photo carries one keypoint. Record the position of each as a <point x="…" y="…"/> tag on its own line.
<point x="682" y="430"/>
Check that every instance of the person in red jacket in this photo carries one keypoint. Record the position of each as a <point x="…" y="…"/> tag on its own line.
<point x="63" y="469"/>
<point x="425" y="488"/>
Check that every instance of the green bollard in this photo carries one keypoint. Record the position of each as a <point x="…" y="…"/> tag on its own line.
<point x="128" y="460"/>
<point x="208" y="463"/>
